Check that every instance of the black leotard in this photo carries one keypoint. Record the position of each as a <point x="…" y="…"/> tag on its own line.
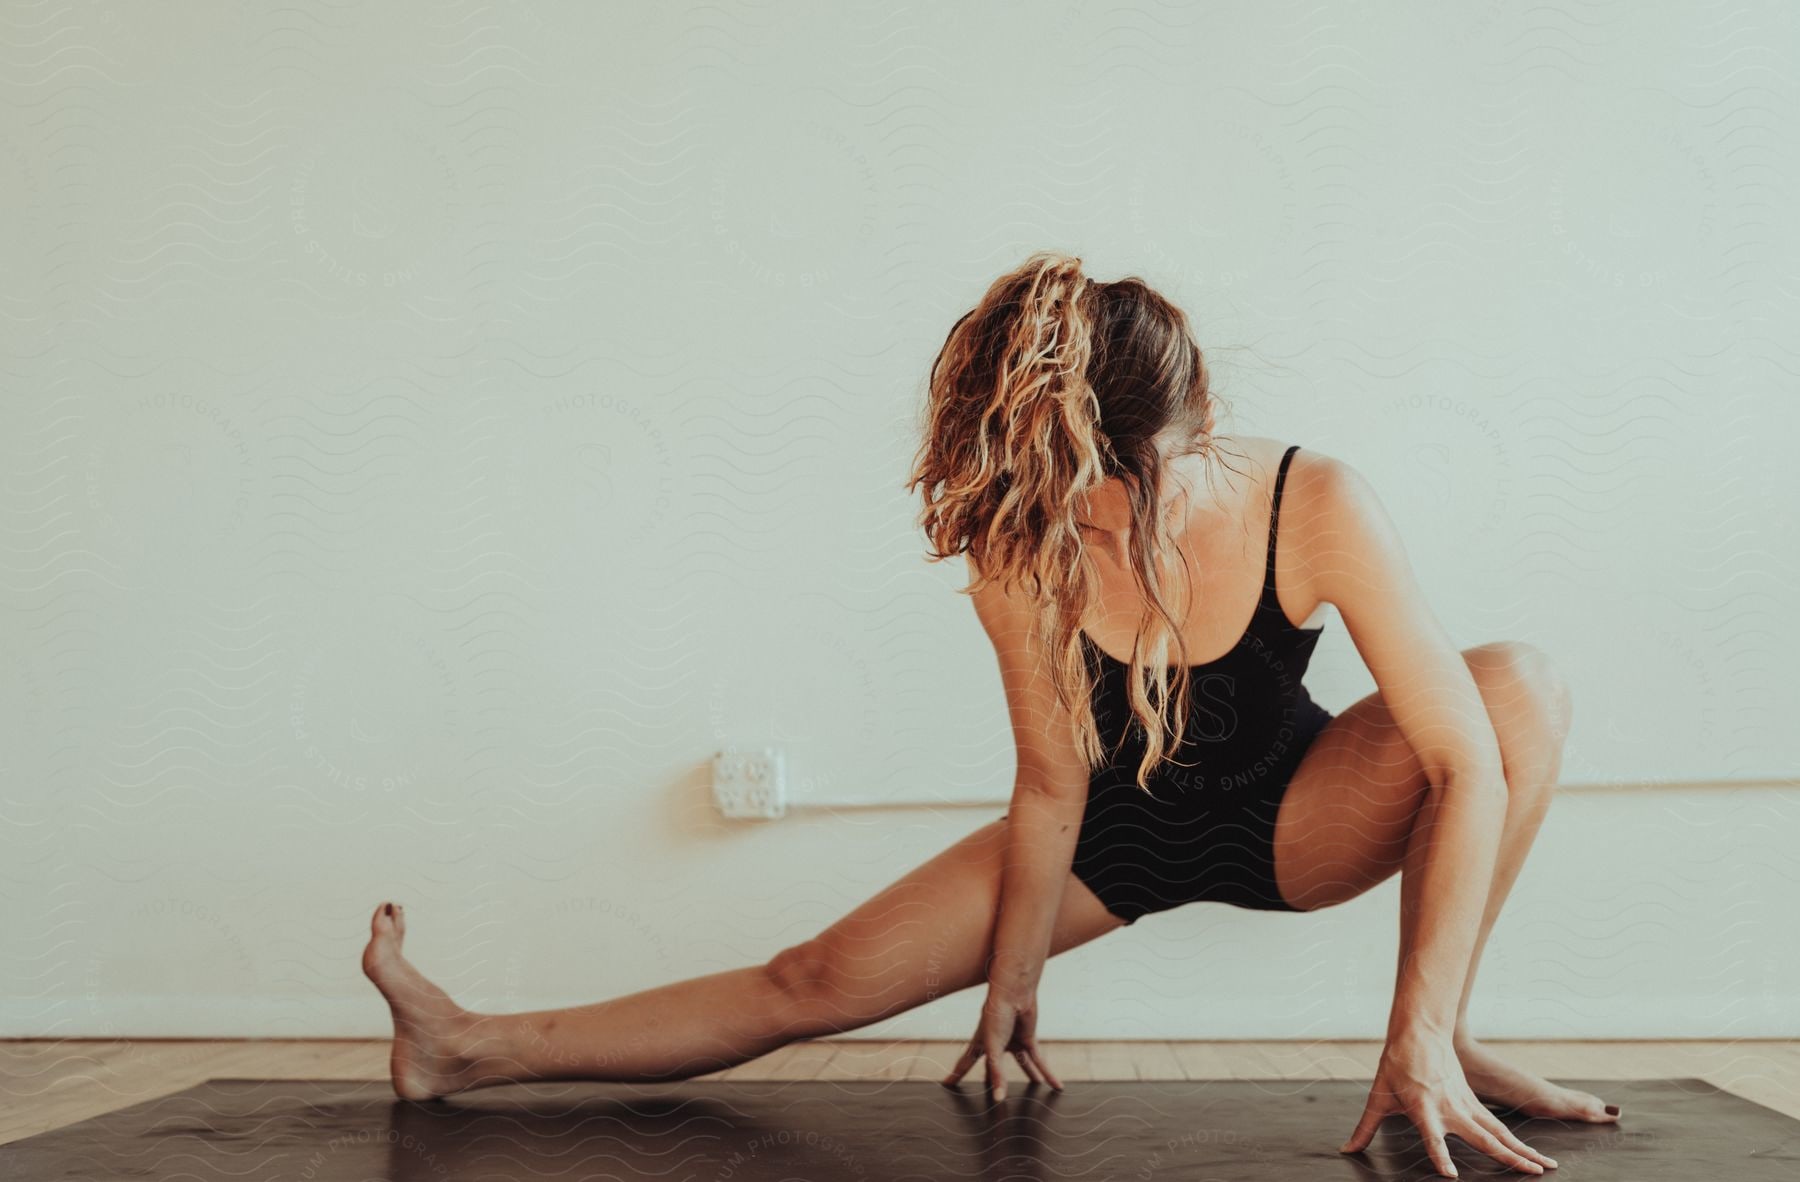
<point x="1208" y="832"/>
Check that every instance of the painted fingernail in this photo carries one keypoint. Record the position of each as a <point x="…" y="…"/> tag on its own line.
<point x="1612" y="1110"/>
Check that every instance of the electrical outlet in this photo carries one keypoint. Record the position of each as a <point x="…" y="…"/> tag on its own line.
<point x="750" y="783"/>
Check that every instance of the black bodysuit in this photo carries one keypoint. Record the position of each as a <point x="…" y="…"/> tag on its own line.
<point x="1208" y="831"/>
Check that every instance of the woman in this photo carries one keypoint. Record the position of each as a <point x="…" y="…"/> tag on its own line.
<point x="1070" y="456"/>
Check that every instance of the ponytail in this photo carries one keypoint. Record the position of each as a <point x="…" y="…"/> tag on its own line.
<point x="1013" y="446"/>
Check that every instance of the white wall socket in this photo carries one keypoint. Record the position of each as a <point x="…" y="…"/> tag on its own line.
<point x="750" y="783"/>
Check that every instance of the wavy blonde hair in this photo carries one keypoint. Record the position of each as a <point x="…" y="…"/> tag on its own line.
<point x="1051" y="385"/>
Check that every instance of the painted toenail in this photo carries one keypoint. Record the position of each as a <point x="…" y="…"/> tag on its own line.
<point x="1612" y="1110"/>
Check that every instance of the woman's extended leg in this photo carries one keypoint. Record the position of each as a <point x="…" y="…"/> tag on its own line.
<point x="1347" y="822"/>
<point x="926" y="935"/>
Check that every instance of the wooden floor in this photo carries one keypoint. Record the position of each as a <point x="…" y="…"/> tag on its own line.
<point x="45" y="1084"/>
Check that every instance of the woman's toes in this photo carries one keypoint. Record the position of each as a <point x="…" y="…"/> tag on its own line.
<point x="389" y="921"/>
<point x="387" y="929"/>
<point x="1592" y="1109"/>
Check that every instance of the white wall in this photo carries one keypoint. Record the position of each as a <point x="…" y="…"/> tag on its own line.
<point x="431" y="431"/>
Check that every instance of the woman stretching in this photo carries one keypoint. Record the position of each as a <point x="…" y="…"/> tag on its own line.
<point x="1070" y="458"/>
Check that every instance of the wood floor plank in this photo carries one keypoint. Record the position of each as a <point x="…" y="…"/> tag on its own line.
<point x="1769" y="1075"/>
<point x="867" y="1059"/>
<point x="1156" y="1060"/>
<point x="1347" y="1060"/>
<point x="355" y="1060"/>
<point x="1202" y="1060"/>
<point x="1112" y="1060"/>
<point x="766" y="1066"/>
<point x="46" y="1084"/>
<point x="75" y="1081"/>
<point x="904" y="1060"/>
<point x="1291" y="1060"/>
<point x="28" y="1068"/>
<point x="935" y="1059"/>
<point x="1249" y="1060"/>
<point x="1070" y="1060"/>
<point x="1770" y="1093"/>
<point x="752" y="1069"/>
<point x="798" y="1060"/>
<point x="815" y="1056"/>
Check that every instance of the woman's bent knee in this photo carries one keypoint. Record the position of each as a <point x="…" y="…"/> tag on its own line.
<point x="1523" y="686"/>
<point x="802" y="973"/>
<point x="802" y="984"/>
<point x="1528" y="702"/>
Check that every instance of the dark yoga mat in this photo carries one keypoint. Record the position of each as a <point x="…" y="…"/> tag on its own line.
<point x="244" y="1130"/>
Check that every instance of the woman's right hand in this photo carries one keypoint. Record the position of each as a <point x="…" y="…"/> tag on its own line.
<point x="1421" y="1078"/>
<point x="1008" y="1025"/>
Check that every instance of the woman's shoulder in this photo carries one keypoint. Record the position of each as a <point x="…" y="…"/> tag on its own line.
<point x="1003" y="607"/>
<point x="1328" y="509"/>
<point x="1335" y="529"/>
<point x="1321" y="484"/>
<point x="1313" y="475"/>
<point x="1315" y="478"/>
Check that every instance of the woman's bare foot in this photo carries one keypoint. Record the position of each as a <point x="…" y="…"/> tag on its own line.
<point x="430" y="1030"/>
<point x="1502" y="1084"/>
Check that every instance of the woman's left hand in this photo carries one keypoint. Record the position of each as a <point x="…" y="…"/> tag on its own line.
<point x="1420" y="1077"/>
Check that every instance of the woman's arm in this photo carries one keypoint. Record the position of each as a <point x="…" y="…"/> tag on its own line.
<point x="1360" y="566"/>
<point x="1040" y="846"/>
<point x="1049" y="794"/>
<point x="1355" y="561"/>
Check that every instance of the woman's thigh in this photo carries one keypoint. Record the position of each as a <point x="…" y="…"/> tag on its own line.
<point x="929" y="932"/>
<point x="1346" y="817"/>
